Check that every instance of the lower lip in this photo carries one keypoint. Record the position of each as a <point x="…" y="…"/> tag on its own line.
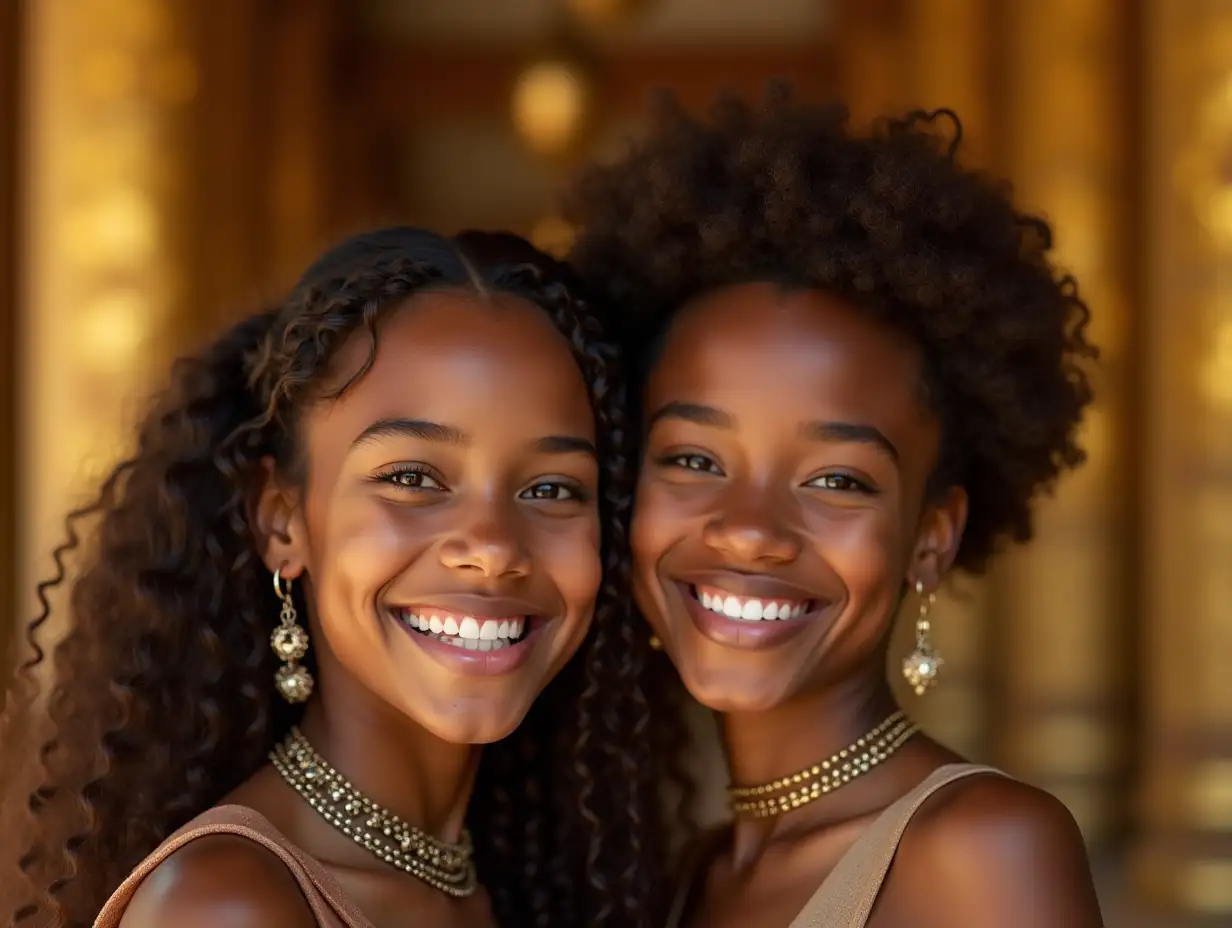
<point x="477" y="663"/>
<point x="742" y="633"/>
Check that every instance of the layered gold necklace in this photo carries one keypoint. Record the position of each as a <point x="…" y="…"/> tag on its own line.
<point x="798" y="789"/>
<point x="447" y="867"/>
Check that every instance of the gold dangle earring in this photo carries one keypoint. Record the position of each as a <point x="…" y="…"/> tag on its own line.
<point x="920" y="667"/>
<point x="290" y="642"/>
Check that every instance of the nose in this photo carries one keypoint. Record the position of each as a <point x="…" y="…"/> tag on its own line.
<point x="488" y="543"/>
<point x="752" y="532"/>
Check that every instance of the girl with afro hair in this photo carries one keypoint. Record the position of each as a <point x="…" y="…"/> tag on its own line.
<point x="858" y="368"/>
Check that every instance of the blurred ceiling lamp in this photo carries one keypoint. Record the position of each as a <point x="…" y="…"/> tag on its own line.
<point x="552" y="235"/>
<point x="551" y="102"/>
<point x="607" y="12"/>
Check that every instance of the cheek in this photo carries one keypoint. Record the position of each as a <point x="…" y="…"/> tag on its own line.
<point x="863" y="548"/>
<point x="657" y="526"/>
<point x="362" y="545"/>
<point x="572" y="556"/>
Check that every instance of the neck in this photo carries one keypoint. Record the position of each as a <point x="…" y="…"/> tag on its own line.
<point x="763" y="746"/>
<point x="766" y="745"/>
<point x="394" y="762"/>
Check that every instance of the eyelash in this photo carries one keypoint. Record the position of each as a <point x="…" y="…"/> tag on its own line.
<point x="700" y="464"/>
<point x="576" y="493"/>
<point x="852" y="485"/>
<point x="687" y="462"/>
<point x="394" y="475"/>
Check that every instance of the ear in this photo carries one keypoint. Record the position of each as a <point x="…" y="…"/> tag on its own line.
<point x="941" y="531"/>
<point x="277" y="519"/>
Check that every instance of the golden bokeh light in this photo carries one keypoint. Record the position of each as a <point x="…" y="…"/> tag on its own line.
<point x="550" y="105"/>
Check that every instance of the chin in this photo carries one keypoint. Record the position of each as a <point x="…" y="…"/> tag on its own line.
<point x="476" y="724"/>
<point x="732" y="691"/>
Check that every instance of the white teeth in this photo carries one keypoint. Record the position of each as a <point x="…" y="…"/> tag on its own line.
<point x="750" y="610"/>
<point x="469" y="633"/>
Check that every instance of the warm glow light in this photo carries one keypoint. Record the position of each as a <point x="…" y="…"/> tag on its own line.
<point x="111" y="332"/>
<point x="553" y="235"/>
<point x="549" y="106"/>
<point x="607" y="12"/>
<point x="1217" y="371"/>
<point x="118" y="228"/>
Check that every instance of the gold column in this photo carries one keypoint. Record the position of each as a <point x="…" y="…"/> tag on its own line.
<point x="1062" y="604"/>
<point x="11" y="23"/>
<point x="1184" y="857"/>
<point x="104" y="236"/>
<point x="948" y="64"/>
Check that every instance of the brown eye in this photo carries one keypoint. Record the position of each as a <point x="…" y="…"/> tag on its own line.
<point x="549" y="491"/>
<point x="409" y="479"/>
<point x="838" y="482"/>
<point x="694" y="462"/>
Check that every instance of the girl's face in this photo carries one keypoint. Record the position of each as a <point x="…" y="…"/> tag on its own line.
<point x="447" y="529"/>
<point x="781" y="502"/>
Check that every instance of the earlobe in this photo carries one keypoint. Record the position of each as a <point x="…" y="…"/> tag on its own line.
<point x="276" y="517"/>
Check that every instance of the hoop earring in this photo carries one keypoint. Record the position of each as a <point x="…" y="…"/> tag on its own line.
<point x="920" y="667"/>
<point x="290" y="642"/>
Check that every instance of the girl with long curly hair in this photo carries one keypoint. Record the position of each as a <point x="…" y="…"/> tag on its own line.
<point x="361" y="533"/>
<point x="860" y="366"/>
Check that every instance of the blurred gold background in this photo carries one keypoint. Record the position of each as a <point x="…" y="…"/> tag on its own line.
<point x="163" y="163"/>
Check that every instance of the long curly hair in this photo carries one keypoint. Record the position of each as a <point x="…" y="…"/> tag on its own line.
<point x="890" y="220"/>
<point x="163" y="701"/>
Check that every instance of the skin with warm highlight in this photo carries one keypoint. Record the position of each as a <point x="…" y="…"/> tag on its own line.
<point x="426" y="440"/>
<point x="858" y="369"/>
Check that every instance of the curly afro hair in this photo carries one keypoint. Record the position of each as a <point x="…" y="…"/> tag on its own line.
<point x="886" y="219"/>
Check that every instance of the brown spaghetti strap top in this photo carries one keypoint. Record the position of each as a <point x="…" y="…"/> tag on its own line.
<point x="845" y="898"/>
<point x="329" y="906"/>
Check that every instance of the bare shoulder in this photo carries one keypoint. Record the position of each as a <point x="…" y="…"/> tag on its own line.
<point x="991" y="850"/>
<point x="220" y="880"/>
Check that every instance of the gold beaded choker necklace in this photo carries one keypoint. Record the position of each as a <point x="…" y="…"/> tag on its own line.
<point x="447" y="867"/>
<point x="798" y="789"/>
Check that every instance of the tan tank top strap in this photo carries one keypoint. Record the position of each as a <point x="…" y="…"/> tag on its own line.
<point x="329" y="905"/>
<point x="845" y="899"/>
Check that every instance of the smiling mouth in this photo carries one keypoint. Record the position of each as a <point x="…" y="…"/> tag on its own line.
<point x="471" y="633"/>
<point x="750" y="609"/>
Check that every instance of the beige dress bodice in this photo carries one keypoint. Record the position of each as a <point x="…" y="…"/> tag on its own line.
<point x="845" y="898"/>
<point x="326" y="899"/>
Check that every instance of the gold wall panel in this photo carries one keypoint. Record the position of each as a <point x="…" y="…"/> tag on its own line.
<point x="1063" y="607"/>
<point x="1183" y="859"/>
<point x="106" y="86"/>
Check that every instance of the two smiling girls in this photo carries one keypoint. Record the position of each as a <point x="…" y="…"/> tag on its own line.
<point x="358" y="635"/>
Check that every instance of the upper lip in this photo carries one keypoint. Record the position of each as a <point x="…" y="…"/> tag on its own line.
<point x="476" y="605"/>
<point x="749" y="586"/>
